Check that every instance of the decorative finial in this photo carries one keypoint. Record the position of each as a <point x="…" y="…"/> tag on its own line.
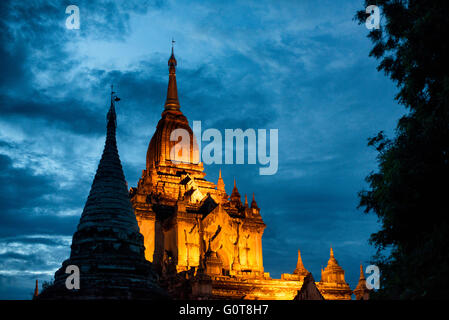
<point x="246" y="200"/>
<point x="219" y="174"/>
<point x="111" y="114"/>
<point x="114" y="97"/>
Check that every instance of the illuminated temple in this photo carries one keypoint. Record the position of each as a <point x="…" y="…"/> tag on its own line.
<point x="204" y="243"/>
<point x="176" y="234"/>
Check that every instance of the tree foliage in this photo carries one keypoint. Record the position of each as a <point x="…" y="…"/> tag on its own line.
<point x="409" y="192"/>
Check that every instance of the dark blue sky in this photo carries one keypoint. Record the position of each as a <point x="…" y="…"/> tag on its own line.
<point x="301" y="67"/>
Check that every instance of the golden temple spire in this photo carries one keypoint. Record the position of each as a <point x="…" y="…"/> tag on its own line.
<point x="300" y="269"/>
<point x="235" y="195"/>
<point x="246" y="201"/>
<point x="254" y="203"/>
<point x="333" y="270"/>
<point x="362" y="275"/>
<point x="220" y="183"/>
<point x="172" y="102"/>
<point x="332" y="261"/>
<point x="180" y="195"/>
<point x="361" y="292"/>
<point x="36" y="289"/>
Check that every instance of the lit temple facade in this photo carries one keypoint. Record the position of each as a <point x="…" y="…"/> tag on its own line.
<point x="204" y="243"/>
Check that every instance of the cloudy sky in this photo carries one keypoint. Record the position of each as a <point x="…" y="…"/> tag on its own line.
<point x="301" y="67"/>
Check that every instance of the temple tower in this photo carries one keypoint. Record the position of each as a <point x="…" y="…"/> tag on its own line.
<point x="299" y="273"/>
<point x="236" y="199"/>
<point x="107" y="246"/>
<point x="333" y="285"/>
<point x="361" y="292"/>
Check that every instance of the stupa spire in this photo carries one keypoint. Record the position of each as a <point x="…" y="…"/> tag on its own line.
<point x="332" y="261"/>
<point x="235" y="195"/>
<point x="362" y="275"/>
<point x="180" y="195"/>
<point x="107" y="246"/>
<point x="333" y="280"/>
<point x="220" y="182"/>
<point x="172" y="102"/>
<point x="109" y="184"/>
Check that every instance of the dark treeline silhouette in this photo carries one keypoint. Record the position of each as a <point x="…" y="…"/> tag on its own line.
<point x="409" y="192"/>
